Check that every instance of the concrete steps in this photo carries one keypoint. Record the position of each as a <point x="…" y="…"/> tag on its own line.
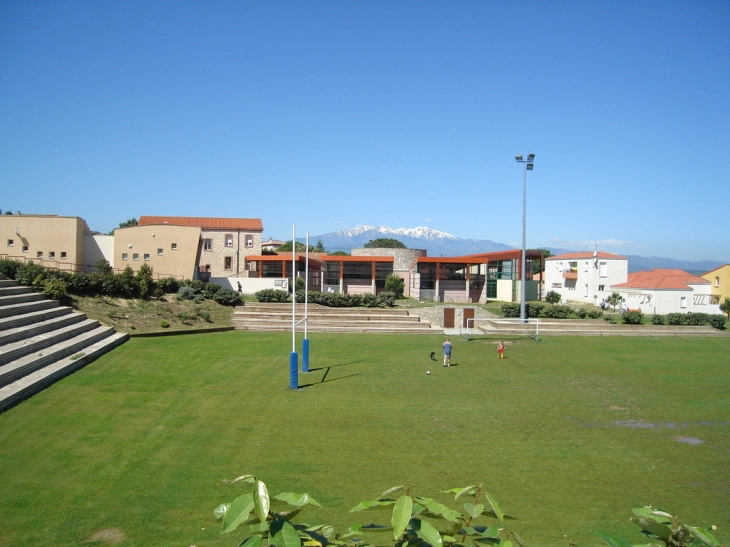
<point x="41" y="342"/>
<point x="589" y="327"/>
<point x="275" y="317"/>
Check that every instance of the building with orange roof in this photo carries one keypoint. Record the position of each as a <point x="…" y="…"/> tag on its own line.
<point x="663" y="291"/>
<point x="585" y="277"/>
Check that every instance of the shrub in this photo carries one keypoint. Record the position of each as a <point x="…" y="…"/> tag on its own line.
<point x="186" y="292"/>
<point x="394" y="284"/>
<point x="386" y="299"/>
<point x="210" y="289"/>
<point x="164" y="324"/>
<point x="227" y="297"/>
<point x="657" y="320"/>
<point x="55" y="288"/>
<point x="108" y="284"/>
<point x="696" y="319"/>
<point x="558" y="312"/>
<point x="85" y="284"/>
<point x="534" y="310"/>
<point x="168" y="285"/>
<point x="29" y="273"/>
<point x="9" y="268"/>
<point x="633" y="318"/>
<point x="272" y="295"/>
<point x="510" y="310"/>
<point x="552" y="297"/>
<point x="717" y="321"/>
<point x="196" y="284"/>
<point x="595" y="314"/>
<point x="581" y="313"/>
<point x="369" y="300"/>
<point x="205" y="316"/>
<point x="128" y="282"/>
<point x="676" y="318"/>
<point x="144" y="281"/>
<point x="610" y="319"/>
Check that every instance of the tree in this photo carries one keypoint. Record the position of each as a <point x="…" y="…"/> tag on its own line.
<point x="536" y="264"/>
<point x="552" y="297"/>
<point x="385" y="243"/>
<point x="725" y="307"/>
<point x="103" y="267"/>
<point x="395" y="284"/>
<point x="126" y="224"/>
<point x="340" y="253"/>
<point x="615" y="300"/>
<point x="300" y="248"/>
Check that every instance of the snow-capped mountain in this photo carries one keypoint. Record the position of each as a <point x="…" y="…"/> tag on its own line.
<point x="435" y="242"/>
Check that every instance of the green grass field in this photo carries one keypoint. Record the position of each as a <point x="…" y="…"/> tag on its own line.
<point x="568" y="434"/>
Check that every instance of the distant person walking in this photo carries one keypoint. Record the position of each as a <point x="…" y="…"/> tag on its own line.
<point x="240" y="288"/>
<point x="500" y="350"/>
<point x="447" y="353"/>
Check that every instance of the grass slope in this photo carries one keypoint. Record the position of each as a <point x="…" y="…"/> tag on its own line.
<point x="567" y="434"/>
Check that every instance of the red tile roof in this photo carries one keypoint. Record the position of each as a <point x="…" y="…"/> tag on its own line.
<point x="206" y="223"/>
<point x="662" y="279"/>
<point x="587" y="254"/>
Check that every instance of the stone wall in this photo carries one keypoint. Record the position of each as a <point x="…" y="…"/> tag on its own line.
<point x="403" y="258"/>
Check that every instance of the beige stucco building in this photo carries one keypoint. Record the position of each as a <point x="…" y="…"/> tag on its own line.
<point x="720" y="281"/>
<point x="50" y="240"/>
<point x="225" y="243"/>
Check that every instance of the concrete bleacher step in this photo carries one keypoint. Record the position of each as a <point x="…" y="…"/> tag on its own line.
<point x="15" y="321"/>
<point x="39" y="342"/>
<point x="13" y="309"/>
<point x="39" y="326"/>
<point x="586" y="327"/>
<point x="36" y="381"/>
<point x="29" y="296"/>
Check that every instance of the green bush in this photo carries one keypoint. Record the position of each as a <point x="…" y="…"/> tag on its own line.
<point x="196" y="284"/>
<point x="205" y="316"/>
<point x="633" y="318"/>
<point x="717" y="321"/>
<point x="164" y="324"/>
<point x="272" y="295"/>
<point x="558" y="312"/>
<point x="369" y="300"/>
<point x="595" y="314"/>
<point x="657" y="320"/>
<point x="552" y="297"/>
<point x="394" y="284"/>
<point x="186" y="292"/>
<point x="9" y="268"/>
<point x="534" y="310"/>
<point x="581" y="313"/>
<point x="29" y="273"/>
<point x="144" y="281"/>
<point x="168" y="285"/>
<point x="210" y="289"/>
<point x="227" y="297"/>
<point x="510" y="310"/>
<point x="676" y="318"/>
<point x="696" y="319"/>
<point x="55" y="288"/>
<point x="386" y="299"/>
<point x="128" y="282"/>
<point x="610" y="319"/>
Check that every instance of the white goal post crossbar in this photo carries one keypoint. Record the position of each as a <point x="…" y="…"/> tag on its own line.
<point x="530" y="326"/>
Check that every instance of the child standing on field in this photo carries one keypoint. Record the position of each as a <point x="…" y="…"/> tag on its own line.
<point x="447" y="353"/>
<point x="500" y="350"/>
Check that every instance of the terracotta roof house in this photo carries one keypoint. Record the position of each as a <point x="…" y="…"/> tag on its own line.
<point x="225" y="243"/>
<point x="662" y="291"/>
<point x="585" y="276"/>
<point x="720" y="280"/>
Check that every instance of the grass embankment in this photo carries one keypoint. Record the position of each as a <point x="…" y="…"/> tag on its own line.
<point x="139" y="316"/>
<point x="568" y="434"/>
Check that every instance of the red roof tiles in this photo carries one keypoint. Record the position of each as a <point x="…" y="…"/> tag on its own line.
<point x="662" y="279"/>
<point x="584" y="255"/>
<point x="206" y="223"/>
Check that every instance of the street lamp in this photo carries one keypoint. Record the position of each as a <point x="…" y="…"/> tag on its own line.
<point x="527" y="166"/>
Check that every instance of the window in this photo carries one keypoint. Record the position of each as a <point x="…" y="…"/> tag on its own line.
<point x="249" y="241"/>
<point x="160" y="252"/>
<point x="135" y="256"/>
<point x="603" y="269"/>
<point x="125" y="256"/>
<point x="39" y="254"/>
<point x="10" y="242"/>
<point x="207" y="244"/>
<point x="585" y="291"/>
<point x="717" y="280"/>
<point x="228" y="263"/>
<point x="229" y="240"/>
<point x="147" y="256"/>
<point x="173" y="246"/>
<point x="586" y="267"/>
<point x="683" y="302"/>
<point x="63" y="254"/>
<point x="51" y="254"/>
<point x="601" y="287"/>
<point x="25" y="248"/>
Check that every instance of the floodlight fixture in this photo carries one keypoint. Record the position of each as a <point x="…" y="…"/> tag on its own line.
<point x="519" y="158"/>
<point x="527" y="166"/>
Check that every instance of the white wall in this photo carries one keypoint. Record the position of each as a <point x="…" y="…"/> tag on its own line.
<point x="251" y="284"/>
<point x="662" y="302"/>
<point x="97" y="247"/>
<point x="590" y="274"/>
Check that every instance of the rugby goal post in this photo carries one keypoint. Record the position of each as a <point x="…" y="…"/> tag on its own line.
<point x="529" y="327"/>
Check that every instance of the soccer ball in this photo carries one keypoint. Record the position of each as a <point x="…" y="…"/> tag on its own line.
<point x="428" y="372"/>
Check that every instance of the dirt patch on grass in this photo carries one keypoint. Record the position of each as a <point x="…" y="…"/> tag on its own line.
<point x="107" y="535"/>
<point x="614" y="407"/>
<point x="135" y="315"/>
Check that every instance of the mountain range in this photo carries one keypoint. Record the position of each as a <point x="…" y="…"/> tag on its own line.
<point x="438" y="243"/>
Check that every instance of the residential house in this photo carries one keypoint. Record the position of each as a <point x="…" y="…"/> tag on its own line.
<point x="663" y="291"/>
<point x="719" y="279"/>
<point x="585" y="276"/>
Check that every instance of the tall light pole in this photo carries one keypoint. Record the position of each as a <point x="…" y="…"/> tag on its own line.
<point x="527" y="166"/>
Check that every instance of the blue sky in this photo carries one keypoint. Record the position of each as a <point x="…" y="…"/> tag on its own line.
<point x="332" y="114"/>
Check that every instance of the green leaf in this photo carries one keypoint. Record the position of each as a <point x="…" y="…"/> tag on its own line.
<point x="237" y="513"/>
<point x="429" y="534"/>
<point x="371" y="503"/>
<point x="356" y="529"/>
<point x="506" y="543"/>
<point x="460" y="491"/>
<point x="495" y="507"/>
<point x="703" y="535"/>
<point x="474" y="510"/>
<point x="261" y="500"/>
<point x="286" y="536"/>
<point x="612" y="540"/>
<point x="390" y="491"/>
<point x="439" y="509"/>
<point x="401" y="515"/>
<point x="243" y="478"/>
<point x="253" y="541"/>
<point x="259" y="527"/>
<point x="220" y="511"/>
<point x="645" y="511"/>
<point x="297" y="500"/>
<point x="653" y="527"/>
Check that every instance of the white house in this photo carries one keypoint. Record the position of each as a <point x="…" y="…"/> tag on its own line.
<point x="668" y="291"/>
<point x="585" y="277"/>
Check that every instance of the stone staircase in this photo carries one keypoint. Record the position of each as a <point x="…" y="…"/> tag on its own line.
<point x="593" y="327"/>
<point x="265" y="316"/>
<point x="42" y="341"/>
